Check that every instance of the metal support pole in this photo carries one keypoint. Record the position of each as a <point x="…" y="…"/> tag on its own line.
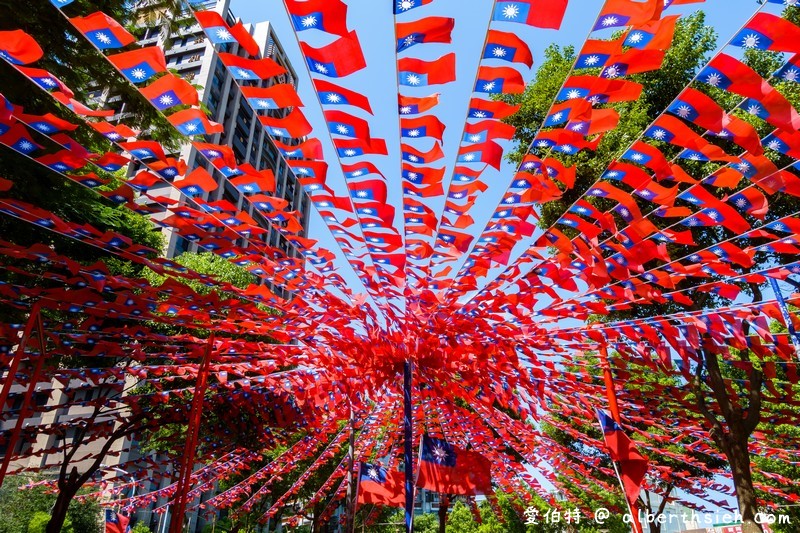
<point x="786" y="316"/>
<point x="35" y="320"/>
<point x="611" y="395"/>
<point x="408" y="455"/>
<point x="192" y="435"/>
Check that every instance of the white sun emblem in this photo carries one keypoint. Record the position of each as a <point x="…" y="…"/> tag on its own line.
<point x="309" y="21"/>
<point x="610" y="21"/>
<point x="362" y="194"/>
<point x="660" y="134"/>
<point x="714" y="79"/>
<point x="48" y="81"/>
<point x="636" y="37"/>
<point x="356" y="173"/>
<point x="166" y="100"/>
<point x="342" y="129"/>
<point x="469" y="157"/>
<point x="413" y="158"/>
<point x="410" y="40"/>
<point x="774" y="144"/>
<point x="102" y="37"/>
<point x="25" y="146"/>
<point x="170" y="172"/>
<point x="475" y="138"/>
<point x="542" y="144"/>
<point x="405" y="5"/>
<point x="611" y="72"/>
<point x="243" y="73"/>
<point x="479" y="114"/>
<point x="405" y="110"/>
<point x="684" y="111"/>
<point x="224" y="35"/>
<point x="578" y="126"/>
<point x="754" y="109"/>
<point x="350" y="152"/>
<point x="264" y="104"/>
<point x="741" y="202"/>
<point x="413" y="79"/>
<point x="412" y="176"/>
<point x="499" y="52"/>
<point x="511" y="11"/>
<point x="791" y="75"/>
<point x="751" y="40"/>
<point x="191" y="126"/>
<point x="744" y="166"/>
<point x="414" y="133"/>
<point x="334" y="98"/>
<point x="319" y="67"/>
<point x="138" y="73"/>
<point x="637" y="156"/>
<point x="573" y="94"/>
<point x="43" y="127"/>
<point x="591" y="60"/>
<point x="489" y="86"/>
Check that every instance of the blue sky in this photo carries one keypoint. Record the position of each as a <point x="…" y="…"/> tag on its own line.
<point x="373" y="21"/>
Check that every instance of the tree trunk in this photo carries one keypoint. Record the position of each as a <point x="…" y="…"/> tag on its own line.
<point x="59" y="513"/>
<point x="444" y="503"/>
<point x="739" y="458"/>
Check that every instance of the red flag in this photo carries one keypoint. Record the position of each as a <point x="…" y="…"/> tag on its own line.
<point x="197" y="182"/>
<point x="766" y="31"/>
<point x="294" y="125"/>
<point x="245" y="40"/>
<point x="410" y="105"/>
<point x="275" y="96"/>
<point x="418" y="73"/>
<point x="632" y="465"/>
<point x="248" y="69"/>
<point x="169" y="91"/>
<point x="140" y="65"/>
<point x="338" y="59"/>
<point x="330" y="94"/>
<point x="19" y="47"/>
<point x="378" y="486"/>
<point x="633" y="62"/>
<point x="618" y="13"/>
<point x="115" y="522"/>
<point x="507" y="47"/>
<point x="358" y="147"/>
<point x="426" y="30"/>
<point x="309" y="149"/>
<point x="329" y="16"/>
<point x="537" y="13"/>
<point x="447" y="469"/>
<point x="494" y="80"/>
<point x="417" y="128"/>
<point x="699" y="108"/>
<point x="346" y="125"/>
<point x="489" y="152"/>
<point x="194" y="122"/>
<point x="479" y="108"/>
<point x="655" y="35"/>
<point x="103" y="31"/>
<point x="44" y="79"/>
<point x="412" y="155"/>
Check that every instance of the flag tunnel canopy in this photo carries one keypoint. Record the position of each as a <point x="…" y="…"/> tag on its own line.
<point x="609" y="317"/>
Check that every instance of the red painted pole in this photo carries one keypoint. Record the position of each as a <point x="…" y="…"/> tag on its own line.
<point x="24" y="411"/>
<point x="192" y="436"/>
<point x="611" y="395"/>
<point x="33" y="319"/>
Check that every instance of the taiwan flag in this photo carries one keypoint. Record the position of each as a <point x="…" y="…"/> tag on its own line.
<point x="497" y="80"/>
<point x="412" y="155"/>
<point x="330" y="94"/>
<point x="698" y="108"/>
<point x="19" y="48"/>
<point x="427" y="30"/>
<point x="336" y="60"/>
<point x="44" y="79"/>
<point x="656" y="35"/>
<point x="329" y="16"/>
<point x="242" y="68"/>
<point x="169" y="91"/>
<point x="418" y="73"/>
<point x="410" y="105"/>
<point x="194" y="122"/>
<point x="215" y="27"/>
<point x="276" y="96"/>
<point x="489" y="152"/>
<point x="294" y="125"/>
<point x="346" y="125"/>
<point x="447" y="469"/>
<point x="378" y="486"/>
<point x="103" y="31"/>
<point x="140" y="65"/>
<point x="480" y="108"/>
<point x="359" y="147"/>
<point x="632" y="465"/>
<point x="116" y="523"/>
<point x="507" y="47"/>
<point x="537" y="13"/>
<point x="769" y="32"/>
<point x="619" y="13"/>
<point x="417" y="128"/>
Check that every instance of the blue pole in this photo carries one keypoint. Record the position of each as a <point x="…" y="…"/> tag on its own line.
<point x="408" y="456"/>
<point x="786" y="316"/>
